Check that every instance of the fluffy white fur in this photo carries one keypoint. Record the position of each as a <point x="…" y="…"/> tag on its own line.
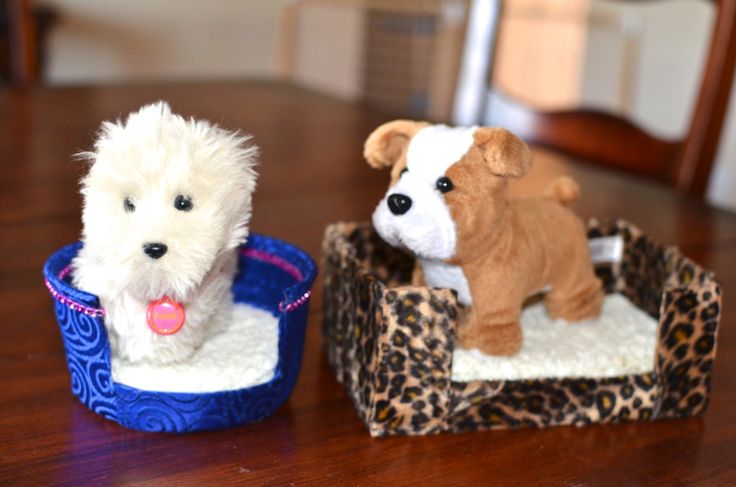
<point x="428" y="229"/>
<point x="151" y="158"/>
<point x="243" y="355"/>
<point x="621" y="341"/>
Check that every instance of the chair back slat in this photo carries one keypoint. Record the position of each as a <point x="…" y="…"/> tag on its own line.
<point x="589" y="135"/>
<point x="600" y="137"/>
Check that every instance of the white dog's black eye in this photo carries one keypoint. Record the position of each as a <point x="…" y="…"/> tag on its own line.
<point x="444" y="184"/>
<point x="128" y="205"/>
<point x="183" y="203"/>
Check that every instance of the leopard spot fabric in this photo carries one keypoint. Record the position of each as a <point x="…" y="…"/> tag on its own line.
<point x="391" y="344"/>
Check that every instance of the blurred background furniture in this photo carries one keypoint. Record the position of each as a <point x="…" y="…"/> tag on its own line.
<point x="640" y="60"/>
<point x="596" y="135"/>
<point x="399" y="56"/>
<point x="24" y="29"/>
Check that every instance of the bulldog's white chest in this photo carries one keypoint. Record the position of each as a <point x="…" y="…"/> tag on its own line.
<point x="439" y="274"/>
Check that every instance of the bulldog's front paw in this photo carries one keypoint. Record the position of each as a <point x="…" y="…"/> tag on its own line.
<point x="495" y="339"/>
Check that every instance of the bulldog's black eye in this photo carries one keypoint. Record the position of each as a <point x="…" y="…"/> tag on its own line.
<point x="183" y="203"/>
<point x="444" y="184"/>
<point x="128" y="205"/>
<point x="405" y="170"/>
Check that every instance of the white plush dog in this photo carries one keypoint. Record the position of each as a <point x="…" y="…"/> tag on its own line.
<point x="167" y="202"/>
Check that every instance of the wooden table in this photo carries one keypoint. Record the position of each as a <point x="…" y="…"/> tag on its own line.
<point x="311" y="174"/>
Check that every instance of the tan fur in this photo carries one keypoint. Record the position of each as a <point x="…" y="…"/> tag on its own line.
<point x="509" y="249"/>
<point x="564" y="189"/>
<point x="386" y="145"/>
<point x="539" y="243"/>
<point x="506" y="154"/>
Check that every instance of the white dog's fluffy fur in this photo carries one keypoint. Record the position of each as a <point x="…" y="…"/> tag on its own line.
<point x="151" y="158"/>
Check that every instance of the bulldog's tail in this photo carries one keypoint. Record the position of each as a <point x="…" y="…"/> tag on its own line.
<point x="563" y="189"/>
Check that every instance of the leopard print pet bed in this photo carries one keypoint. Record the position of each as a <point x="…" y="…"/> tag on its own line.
<point x="391" y="344"/>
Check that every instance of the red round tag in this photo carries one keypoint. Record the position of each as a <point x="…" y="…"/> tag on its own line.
<point x="165" y="316"/>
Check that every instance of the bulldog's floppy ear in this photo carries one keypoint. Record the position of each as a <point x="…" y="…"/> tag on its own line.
<point x="505" y="153"/>
<point x="386" y="144"/>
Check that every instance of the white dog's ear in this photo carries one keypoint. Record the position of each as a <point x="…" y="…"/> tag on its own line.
<point x="505" y="153"/>
<point x="388" y="142"/>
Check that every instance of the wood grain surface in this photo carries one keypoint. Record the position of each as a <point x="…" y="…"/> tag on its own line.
<point x="311" y="174"/>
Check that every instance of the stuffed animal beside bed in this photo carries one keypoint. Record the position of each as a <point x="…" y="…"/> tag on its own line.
<point x="447" y="204"/>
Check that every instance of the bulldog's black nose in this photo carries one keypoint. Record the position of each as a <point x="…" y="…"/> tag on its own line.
<point x="399" y="203"/>
<point x="155" y="250"/>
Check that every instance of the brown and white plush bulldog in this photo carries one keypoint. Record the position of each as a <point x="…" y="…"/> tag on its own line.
<point x="447" y="204"/>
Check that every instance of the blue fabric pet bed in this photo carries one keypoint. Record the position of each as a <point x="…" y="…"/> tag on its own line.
<point x="273" y="276"/>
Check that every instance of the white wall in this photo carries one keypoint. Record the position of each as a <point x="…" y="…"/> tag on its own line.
<point x="722" y="189"/>
<point x="328" y="49"/>
<point x="124" y="40"/>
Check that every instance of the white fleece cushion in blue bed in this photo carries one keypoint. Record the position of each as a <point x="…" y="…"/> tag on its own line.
<point x="243" y="355"/>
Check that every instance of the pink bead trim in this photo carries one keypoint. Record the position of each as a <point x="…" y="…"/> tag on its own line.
<point x="295" y="304"/>
<point x="272" y="259"/>
<point x="65" y="272"/>
<point x="73" y="305"/>
<point x="285" y="266"/>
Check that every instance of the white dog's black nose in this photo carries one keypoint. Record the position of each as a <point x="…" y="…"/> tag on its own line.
<point x="399" y="203"/>
<point x="155" y="250"/>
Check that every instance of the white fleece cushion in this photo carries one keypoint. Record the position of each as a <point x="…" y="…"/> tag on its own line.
<point x="243" y="355"/>
<point x="621" y="341"/>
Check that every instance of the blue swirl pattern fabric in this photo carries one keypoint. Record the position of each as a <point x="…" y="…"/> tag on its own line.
<point x="272" y="274"/>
